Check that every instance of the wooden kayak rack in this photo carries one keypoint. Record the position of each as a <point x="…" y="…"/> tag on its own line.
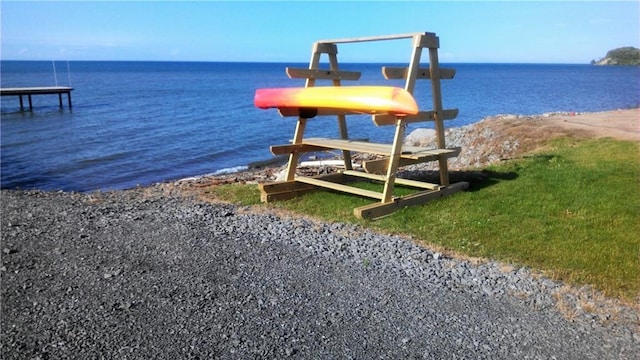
<point x="394" y="155"/>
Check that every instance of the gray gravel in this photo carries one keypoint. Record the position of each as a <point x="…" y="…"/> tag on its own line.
<point x="147" y="274"/>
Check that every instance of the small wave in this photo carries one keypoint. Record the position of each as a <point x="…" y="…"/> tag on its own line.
<point x="230" y="170"/>
<point x="224" y="171"/>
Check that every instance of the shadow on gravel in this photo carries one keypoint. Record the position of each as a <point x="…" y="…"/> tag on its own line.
<point x="477" y="180"/>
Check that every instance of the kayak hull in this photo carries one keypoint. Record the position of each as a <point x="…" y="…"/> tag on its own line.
<point x="363" y="99"/>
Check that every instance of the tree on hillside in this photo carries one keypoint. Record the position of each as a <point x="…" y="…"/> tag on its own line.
<point x="620" y="56"/>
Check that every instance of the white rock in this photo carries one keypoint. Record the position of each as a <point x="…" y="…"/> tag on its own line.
<point x="420" y="137"/>
<point x="282" y="176"/>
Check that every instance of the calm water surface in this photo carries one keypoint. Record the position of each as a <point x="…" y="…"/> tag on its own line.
<point x="137" y="123"/>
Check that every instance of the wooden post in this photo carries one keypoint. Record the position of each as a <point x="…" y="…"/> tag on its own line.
<point x="394" y="159"/>
<point x="21" y="104"/>
<point x="69" y="99"/>
<point x="302" y="122"/>
<point x="414" y="64"/>
<point x="297" y="139"/>
<point x="437" y="108"/>
<point x="30" y="104"/>
<point x="60" y="100"/>
<point x="342" y="121"/>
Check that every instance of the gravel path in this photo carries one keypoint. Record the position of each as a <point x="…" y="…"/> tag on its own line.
<point x="147" y="274"/>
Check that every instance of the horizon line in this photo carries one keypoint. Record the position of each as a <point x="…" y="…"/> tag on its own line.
<point x="302" y="62"/>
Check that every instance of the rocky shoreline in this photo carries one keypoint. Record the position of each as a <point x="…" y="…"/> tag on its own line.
<point x="493" y="139"/>
<point x="156" y="272"/>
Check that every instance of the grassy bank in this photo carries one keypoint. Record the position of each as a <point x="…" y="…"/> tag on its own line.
<point x="571" y="210"/>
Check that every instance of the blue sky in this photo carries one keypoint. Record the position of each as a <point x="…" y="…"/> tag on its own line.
<point x="470" y="31"/>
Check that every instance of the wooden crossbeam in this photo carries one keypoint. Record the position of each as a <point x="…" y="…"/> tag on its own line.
<point x="352" y="145"/>
<point x="379" y="166"/>
<point x="423" y="73"/>
<point x="422" y="116"/>
<point x="340" y="187"/>
<point x="382" y="178"/>
<point x="378" y="210"/>
<point x="377" y="38"/>
<point x="284" y="190"/>
<point x="408" y="152"/>
<point x="318" y="74"/>
<point x="295" y="112"/>
<point x="378" y="119"/>
<point x="296" y="148"/>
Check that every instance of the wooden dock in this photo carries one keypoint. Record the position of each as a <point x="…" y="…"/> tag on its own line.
<point x="43" y="90"/>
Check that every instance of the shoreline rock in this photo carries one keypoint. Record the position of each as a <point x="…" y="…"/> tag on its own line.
<point x="488" y="141"/>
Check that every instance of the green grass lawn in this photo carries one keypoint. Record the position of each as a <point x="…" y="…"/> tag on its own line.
<point x="571" y="211"/>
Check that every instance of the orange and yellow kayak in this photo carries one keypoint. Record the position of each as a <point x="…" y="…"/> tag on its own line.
<point x="363" y="99"/>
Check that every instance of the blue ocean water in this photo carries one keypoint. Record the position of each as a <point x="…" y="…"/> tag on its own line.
<point x="137" y="123"/>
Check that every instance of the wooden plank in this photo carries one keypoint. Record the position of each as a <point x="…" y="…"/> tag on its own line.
<point x="318" y="74"/>
<point x="380" y="166"/>
<point x="390" y="73"/>
<point x="426" y="154"/>
<point x="279" y="186"/>
<point x="374" y="38"/>
<point x="337" y="177"/>
<point x="283" y="190"/>
<point x="418" y="184"/>
<point x="46" y="90"/>
<point x="408" y="152"/>
<point x="340" y="187"/>
<point x="378" y="119"/>
<point x="378" y="210"/>
<point x="364" y="175"/>
<point x="421" y="153"/>
<point x="351" y="145"/>
<point x="382" y="178"/>
<point x="296" y="148"/>
<point x="422" y="116"/>
<point x="295" y="112"/>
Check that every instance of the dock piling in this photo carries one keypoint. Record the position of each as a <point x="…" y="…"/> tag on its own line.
<point x="50" y="90"/>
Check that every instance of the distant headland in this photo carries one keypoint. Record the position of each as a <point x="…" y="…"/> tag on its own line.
<point x="620" y="56"/>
